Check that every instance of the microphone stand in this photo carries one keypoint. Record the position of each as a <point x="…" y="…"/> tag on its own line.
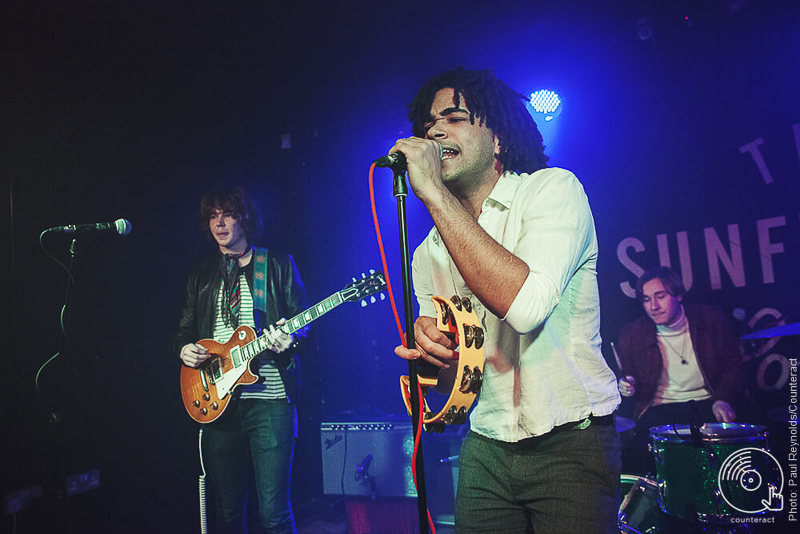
<point x="401" y="192"/>
<point x="58" y="422"/>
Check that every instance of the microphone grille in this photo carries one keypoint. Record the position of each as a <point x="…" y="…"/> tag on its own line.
<point x="123" y="226"/>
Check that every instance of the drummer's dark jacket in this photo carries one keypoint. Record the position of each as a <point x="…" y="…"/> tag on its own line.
<point x="715" y="345"/>
<point x="286" y="297"/>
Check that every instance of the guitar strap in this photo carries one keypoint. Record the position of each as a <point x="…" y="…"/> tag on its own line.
<point x="260" y="282"/>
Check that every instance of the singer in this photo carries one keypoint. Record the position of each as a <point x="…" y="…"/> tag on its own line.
<point x="674" y="355"/>
<point x="244" y="285"/>
<point x="518" y="238"/>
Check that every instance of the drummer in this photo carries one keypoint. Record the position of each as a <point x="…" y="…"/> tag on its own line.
<point x="679" y="364"/>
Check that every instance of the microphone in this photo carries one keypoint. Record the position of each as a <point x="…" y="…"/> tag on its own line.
<point x="362" y="472"/>
<point x="120" y="226"/>
<point x="396" y="160"/>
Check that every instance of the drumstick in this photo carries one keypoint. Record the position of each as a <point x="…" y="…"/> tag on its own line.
<point x="616" y="357"/>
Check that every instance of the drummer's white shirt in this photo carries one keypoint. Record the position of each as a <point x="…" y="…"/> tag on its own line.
<point x="679" y="382"/>
<point x="543" y="362"/>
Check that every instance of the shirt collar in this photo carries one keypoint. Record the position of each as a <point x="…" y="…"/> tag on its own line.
<point x="502" y="196"/>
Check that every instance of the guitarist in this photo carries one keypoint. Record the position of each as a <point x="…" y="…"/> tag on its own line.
<point x="262" y="424"/>
<point x="517" y="238"/>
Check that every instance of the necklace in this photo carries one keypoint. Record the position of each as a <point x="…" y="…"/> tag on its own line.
<point x="681" y="353"/>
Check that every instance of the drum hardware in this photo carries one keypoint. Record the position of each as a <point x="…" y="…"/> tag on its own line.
<point x="713" y="459"/>
<point x="655" y="452"/>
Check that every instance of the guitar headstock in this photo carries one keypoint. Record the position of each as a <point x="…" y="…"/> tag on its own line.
<point x="367" y="286"/>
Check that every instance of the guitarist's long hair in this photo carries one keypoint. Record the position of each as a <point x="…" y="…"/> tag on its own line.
<point x="496" y="105"/>
<point x="233" y="200"/>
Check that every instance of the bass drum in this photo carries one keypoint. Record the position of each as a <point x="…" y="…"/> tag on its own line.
<point x="639" y="511"/>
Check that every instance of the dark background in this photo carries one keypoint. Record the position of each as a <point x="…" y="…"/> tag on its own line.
<point x="134" y="110"/>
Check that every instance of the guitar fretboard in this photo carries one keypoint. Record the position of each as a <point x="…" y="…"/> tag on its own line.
<point x="258" y="345"/>
<point x="313" y="313"/>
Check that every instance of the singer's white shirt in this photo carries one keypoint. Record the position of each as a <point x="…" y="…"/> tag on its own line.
<point x="543" y="366"/>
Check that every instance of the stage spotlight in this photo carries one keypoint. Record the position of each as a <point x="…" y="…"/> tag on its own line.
<point x="546" y="103"/>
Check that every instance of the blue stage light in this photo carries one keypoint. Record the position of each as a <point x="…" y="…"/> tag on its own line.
<point x="547" y="103"/>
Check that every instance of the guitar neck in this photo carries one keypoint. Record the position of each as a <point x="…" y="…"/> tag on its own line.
<point x="259" y="344"/>
<point x="312" y="314"/>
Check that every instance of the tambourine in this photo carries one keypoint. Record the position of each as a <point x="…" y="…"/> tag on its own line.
<point x="463" y="379"/>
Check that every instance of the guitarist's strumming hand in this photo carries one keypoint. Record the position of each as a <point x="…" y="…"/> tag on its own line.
<point x="432" y="345"/>
<point x="193" y="355"/>
<point x="277" y="340"/>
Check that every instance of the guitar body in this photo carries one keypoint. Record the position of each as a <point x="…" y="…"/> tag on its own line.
<point x="202" y="398"/>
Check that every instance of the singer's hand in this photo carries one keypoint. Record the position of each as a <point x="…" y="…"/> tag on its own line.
<point x="193" y="355"/>
<point x="627" y="386"/>
<point x="431" y="344"/>
<point x="723" y="412"/>
<point x="424" y="164"/>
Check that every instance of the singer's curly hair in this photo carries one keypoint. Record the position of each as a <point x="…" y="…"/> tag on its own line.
<point x="496" y="105"/>
<point x="231" y="200"/>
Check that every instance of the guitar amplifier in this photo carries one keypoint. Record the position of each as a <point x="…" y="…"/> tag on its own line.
<point x="367" y="458"/>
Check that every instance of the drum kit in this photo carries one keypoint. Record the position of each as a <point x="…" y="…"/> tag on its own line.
<point x="708" y="478"/>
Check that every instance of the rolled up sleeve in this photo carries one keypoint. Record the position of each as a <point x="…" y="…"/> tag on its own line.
<point x="555" y="237"/>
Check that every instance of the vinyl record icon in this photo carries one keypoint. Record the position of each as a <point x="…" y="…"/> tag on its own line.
<point x="751" y="481"/>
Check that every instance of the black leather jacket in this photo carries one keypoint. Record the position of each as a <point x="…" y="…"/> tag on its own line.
<point x="286" y="297"/>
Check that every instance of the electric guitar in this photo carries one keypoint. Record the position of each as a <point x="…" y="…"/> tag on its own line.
<point x="463" y="379"/>
<point x="207" y="389"/>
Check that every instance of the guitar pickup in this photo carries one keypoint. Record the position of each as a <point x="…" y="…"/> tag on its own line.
<point x="236" y="356"/>
<point x="214" y="372"/>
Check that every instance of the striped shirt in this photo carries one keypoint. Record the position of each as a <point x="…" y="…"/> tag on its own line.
<point x="270" y="385"/>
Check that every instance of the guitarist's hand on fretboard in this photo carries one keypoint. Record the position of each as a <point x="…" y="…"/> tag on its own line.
<point x="193" y="355"/>
<point x="277" y="340"/>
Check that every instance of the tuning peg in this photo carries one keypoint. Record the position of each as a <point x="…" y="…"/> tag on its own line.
<point x="372" y="271"/>
<point x="354" y="280"/>
<point x="372" y="300"/>
<point x="383" y="296"/>
<point x="363" y="303"/>
<point x="363" y="275"/>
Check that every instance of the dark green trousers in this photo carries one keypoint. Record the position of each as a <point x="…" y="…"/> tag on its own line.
<point x="566" y="481"/>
